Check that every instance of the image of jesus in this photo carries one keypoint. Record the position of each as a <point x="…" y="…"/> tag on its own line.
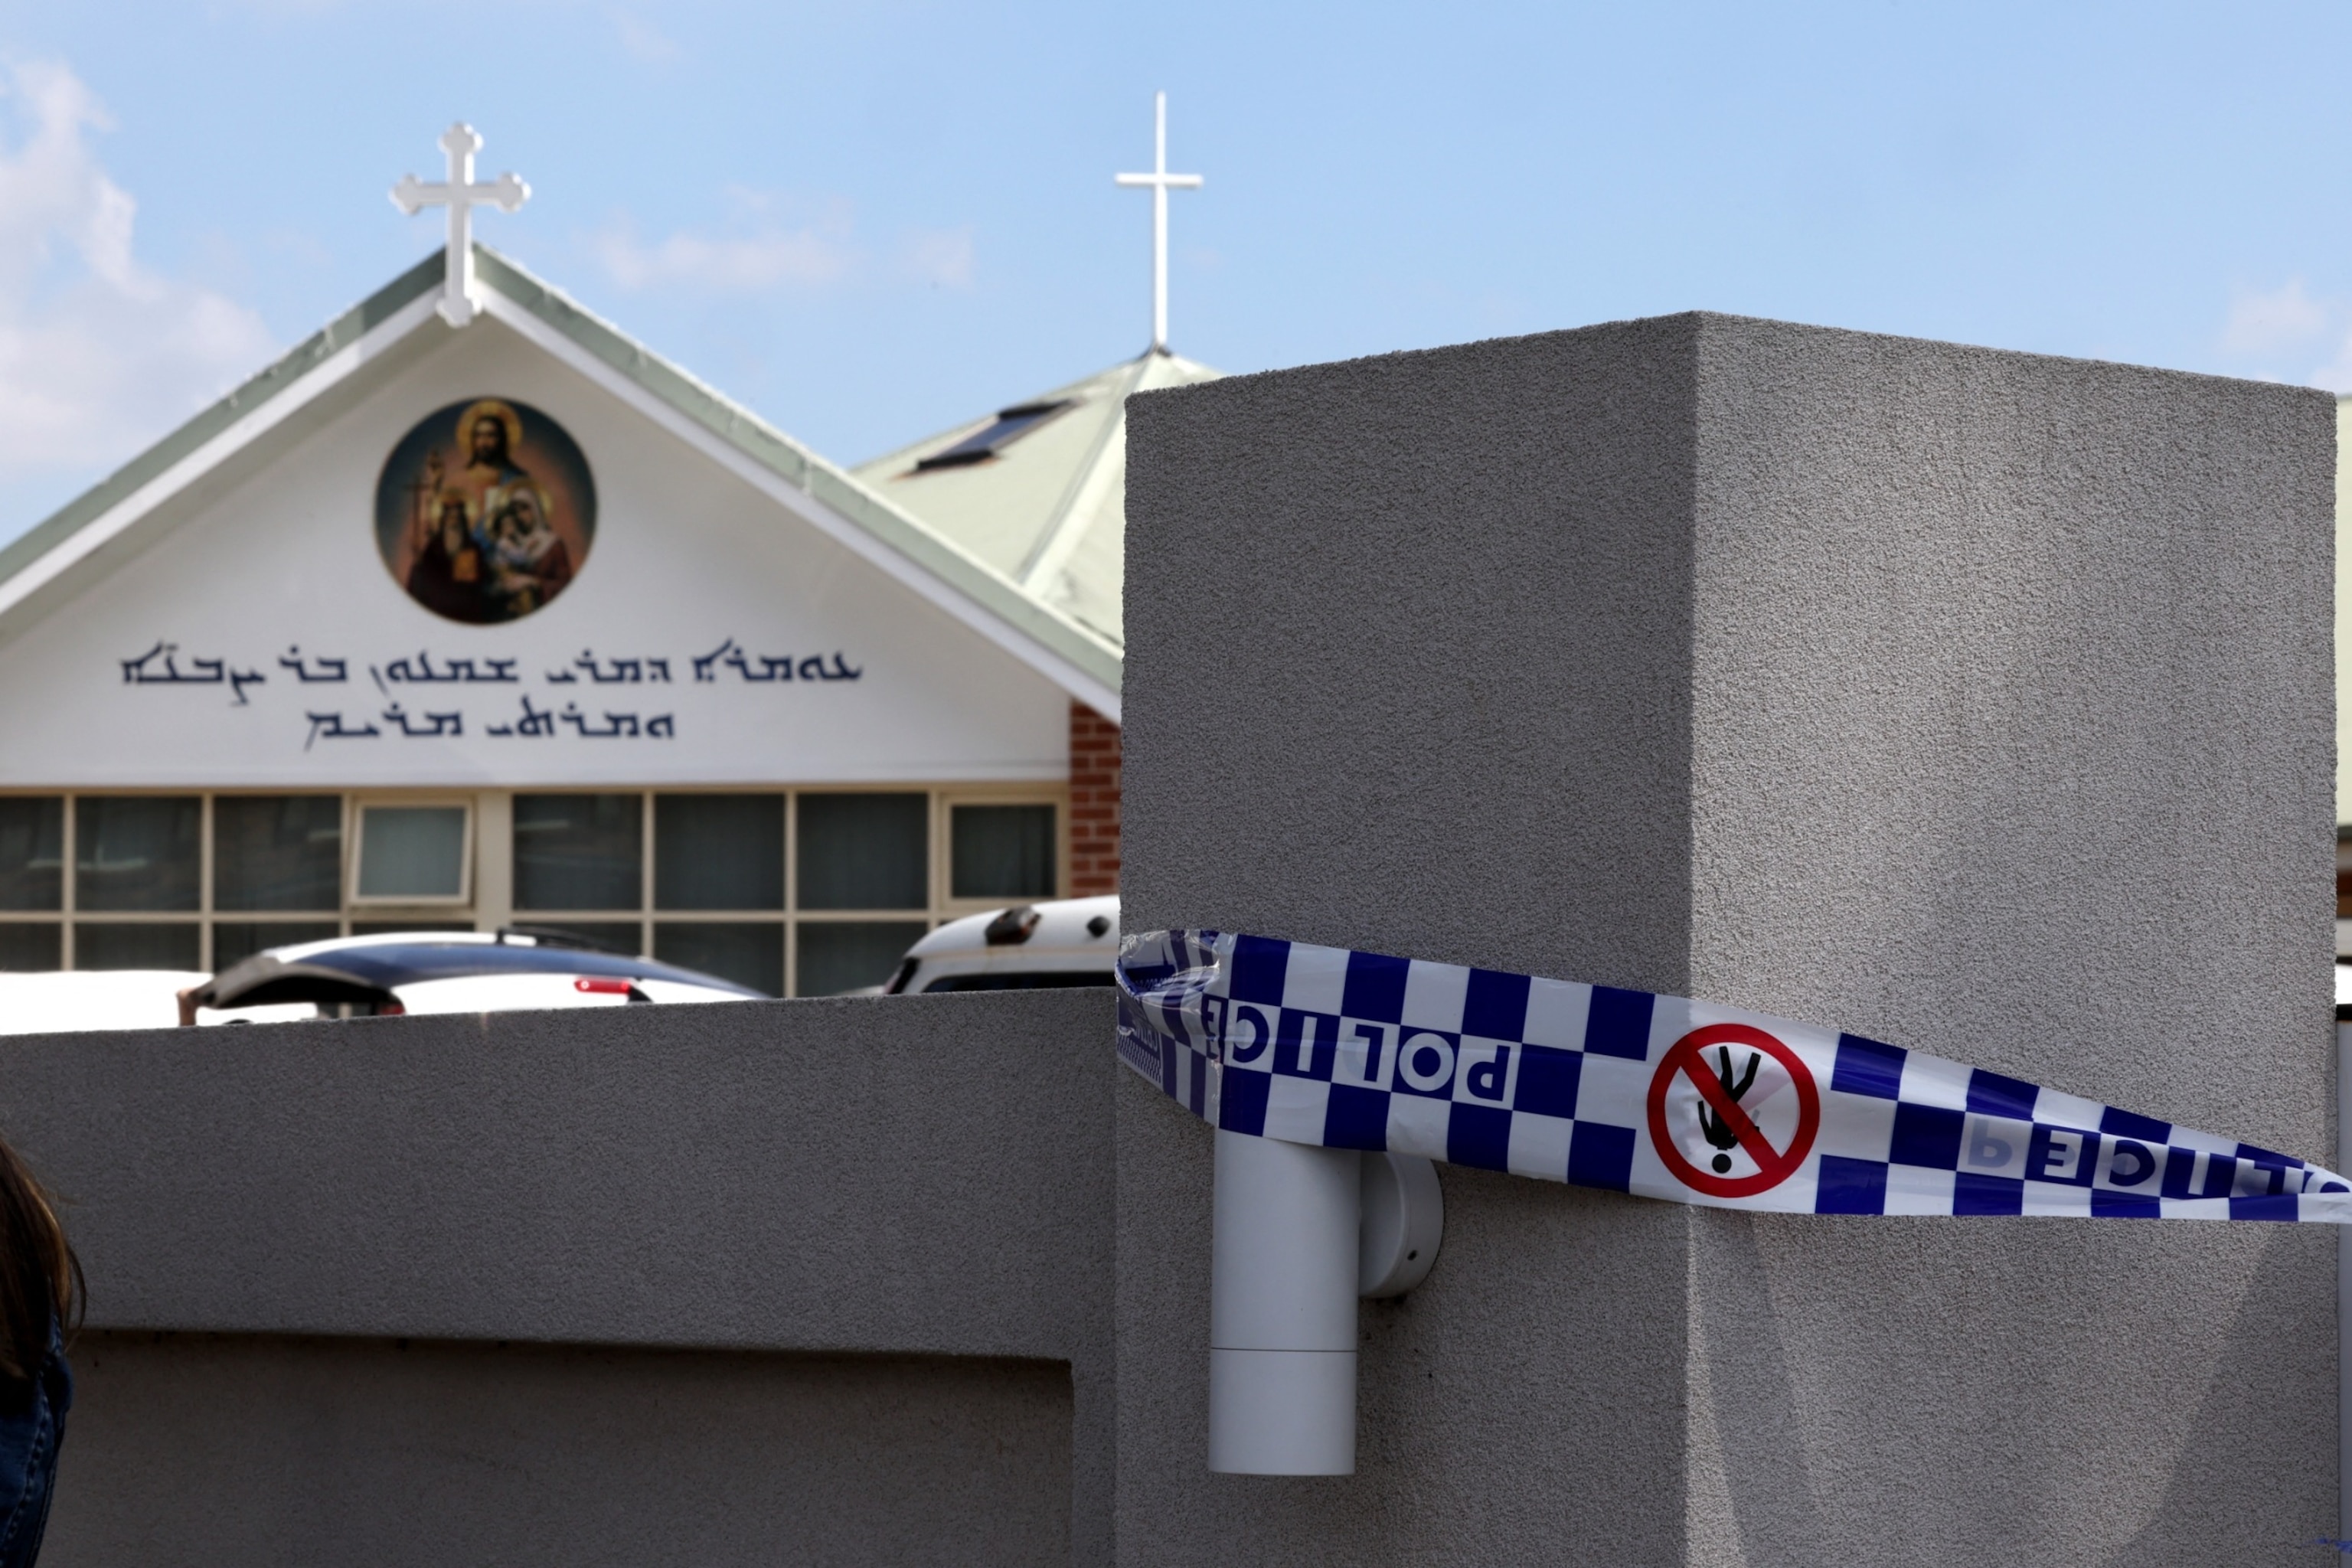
<point x="486" y="510"/>
<point x="488" y="434"/>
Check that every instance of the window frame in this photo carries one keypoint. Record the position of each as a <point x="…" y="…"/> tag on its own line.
<point x="944" y="803"/>
<point x="486" y="900"/>
<point x="356" y="806"/>
<point x="346" y="862"/>
<point x="520" y="913"/>
<point x="69" y="896"/>
<point x="933" y="886"/>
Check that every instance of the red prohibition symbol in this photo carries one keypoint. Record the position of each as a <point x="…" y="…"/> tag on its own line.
<point x="1773" y="1166"/>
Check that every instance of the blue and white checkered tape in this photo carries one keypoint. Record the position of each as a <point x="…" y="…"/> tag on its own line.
<point x="1653" y="1095"/>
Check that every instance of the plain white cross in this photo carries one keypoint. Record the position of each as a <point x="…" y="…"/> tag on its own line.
<point x="1161" y="181"/>
<point x="461" y="195"/>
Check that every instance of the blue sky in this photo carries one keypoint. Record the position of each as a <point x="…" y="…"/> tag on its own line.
<point x="871" y="221"/>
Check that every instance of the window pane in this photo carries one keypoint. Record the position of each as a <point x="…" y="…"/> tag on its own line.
<point x="579" y="851"/>
<point x="32" y="852"/>
<point x="394" y="928"/>
<point x="412" y="852"/>
<point x="31" y="948"/>
<point x="112" y="946"/>
<point x="1002" y="852"/>
<point x="718" y="852"/>
<point x="749" y="952"/>
<point x="233" y="941"/>
<point x="277" y="852"/>
<point x="616" y="936"/>
<point x="842" y="955"/>
<point x="864" y="852"/>
<point x="136" y="852"/>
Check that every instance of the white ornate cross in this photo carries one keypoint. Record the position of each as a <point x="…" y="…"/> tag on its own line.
<point x="461" y="195"/>
<point x="1162" y="182"/>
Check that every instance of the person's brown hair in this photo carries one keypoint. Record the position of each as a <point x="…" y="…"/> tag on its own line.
<point x="40" y="1278"/>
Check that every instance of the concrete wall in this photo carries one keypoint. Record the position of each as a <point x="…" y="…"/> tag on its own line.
<point x="2343" y="632"/>
<point x="237" y="1450"/>
<point x="1977" y="701"/>
<point x="753" y="1213"/>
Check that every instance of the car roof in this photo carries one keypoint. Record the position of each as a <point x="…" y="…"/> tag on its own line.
<point x="1061" y="928"/>
<point x="367" y="968"/>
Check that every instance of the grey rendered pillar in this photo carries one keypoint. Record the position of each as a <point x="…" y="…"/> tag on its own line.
<point x="1977" y="701"/>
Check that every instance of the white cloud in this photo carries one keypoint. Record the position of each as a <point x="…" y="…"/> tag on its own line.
<point x="641" y="38"/>
<point x="98" y="354"/>
<point x="2335" y="375"/>
<point x="759" y="249"/>
<point x="942" y="257"/>
<point x="769" y="255"/>
<point x="2269" y="333"/>
<point x="2285" y="318"/>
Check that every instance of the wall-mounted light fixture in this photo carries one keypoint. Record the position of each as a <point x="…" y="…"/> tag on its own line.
<point x="1301" y="1233"/>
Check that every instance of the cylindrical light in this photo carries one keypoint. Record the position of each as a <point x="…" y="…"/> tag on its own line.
<point x="1282" y="1310"/>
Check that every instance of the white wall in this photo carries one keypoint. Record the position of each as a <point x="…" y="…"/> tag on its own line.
<point x="686" y="556"/>
<point x="2343" y="600"/>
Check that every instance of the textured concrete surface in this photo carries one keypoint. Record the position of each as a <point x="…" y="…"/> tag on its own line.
<point x="238" y="1450"/>
<point x="2343" y="608"/>
<point x="926" y="1176"/>
<point x="1517" y="1337"/>
<point x="2013" y="736"/>
<point x="1978" y="702"/>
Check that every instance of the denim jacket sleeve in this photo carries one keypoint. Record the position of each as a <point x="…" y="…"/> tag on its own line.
<point x="32" y="1427"/>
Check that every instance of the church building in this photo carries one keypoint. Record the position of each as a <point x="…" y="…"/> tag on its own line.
<point x="471" y="612"/>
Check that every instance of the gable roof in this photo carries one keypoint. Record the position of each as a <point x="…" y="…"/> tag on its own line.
<point x="1080" y="656"/>
<point x="1048" y="508"/>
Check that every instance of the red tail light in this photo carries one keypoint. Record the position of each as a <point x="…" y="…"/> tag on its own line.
<point x="601" y="986"/>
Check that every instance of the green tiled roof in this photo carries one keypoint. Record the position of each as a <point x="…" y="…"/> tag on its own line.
<point x="1049" y="511"/>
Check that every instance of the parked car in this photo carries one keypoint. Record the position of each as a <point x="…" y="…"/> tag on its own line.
<point x="453" y="971"/>
<point x="1065" y="942"/>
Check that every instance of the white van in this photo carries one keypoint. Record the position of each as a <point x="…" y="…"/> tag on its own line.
<point x="1064" y="941"/>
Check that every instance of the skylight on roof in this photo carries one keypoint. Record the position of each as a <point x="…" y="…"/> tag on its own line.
<point x="1009" y="425"/>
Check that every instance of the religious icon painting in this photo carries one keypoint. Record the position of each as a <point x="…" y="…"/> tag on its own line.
<point x="485" y="511"/>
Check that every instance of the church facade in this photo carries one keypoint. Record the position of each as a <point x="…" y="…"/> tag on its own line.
<point x="517" y="623"/>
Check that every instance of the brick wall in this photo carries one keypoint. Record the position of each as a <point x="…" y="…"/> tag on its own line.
<point x="1094" y="803"/>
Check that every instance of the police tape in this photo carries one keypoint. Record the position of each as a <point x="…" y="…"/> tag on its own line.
<point x="1657" y="1096"/>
